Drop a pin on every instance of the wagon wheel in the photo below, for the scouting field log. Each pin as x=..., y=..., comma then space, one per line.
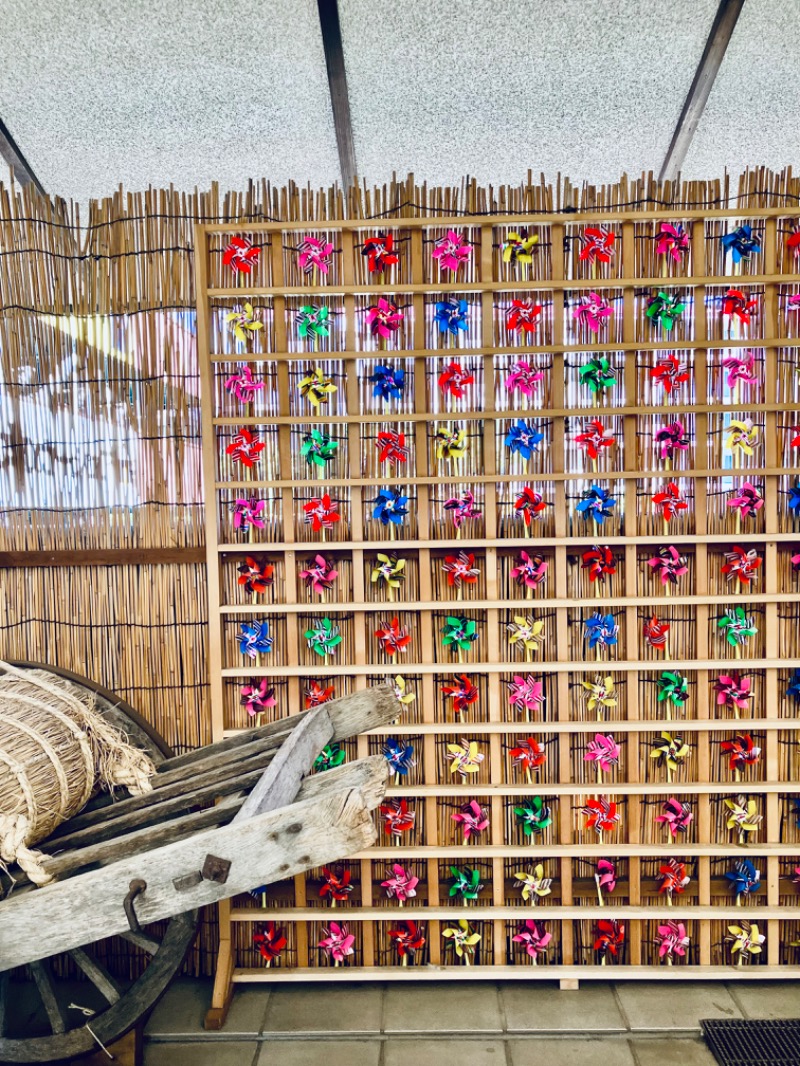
x=45, y=1020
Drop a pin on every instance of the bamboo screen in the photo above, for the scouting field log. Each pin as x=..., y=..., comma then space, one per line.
x=540, y=470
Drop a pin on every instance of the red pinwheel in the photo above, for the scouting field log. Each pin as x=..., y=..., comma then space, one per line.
x=531, y=504
x=599, y=562
x=737, y=305
x=270, y=941
x=408, y=939
x=529, y=755
x=460, y=569
x=601, y=814
x=380, y=252
x=594, y=437
x=393, y=637
x=673, y=877
x=655, y=633
x=254, y=575
x=742, y=564
x=609, y=937
x=522, y=315
x=336, y=885
x=245, y=448
x=241, y=255
x=669, y=501
x=315, y=694
x=793, y=241
x=454, y=379
x=321, y=512
x=670, y=372
x=733, y=689
x=743, y=751
x=597, y=243
x=391, y=447
x=397, y=817
x=461, y=691
x=676, y=816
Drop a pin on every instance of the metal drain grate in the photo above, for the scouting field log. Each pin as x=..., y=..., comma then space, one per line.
x=759, y=1043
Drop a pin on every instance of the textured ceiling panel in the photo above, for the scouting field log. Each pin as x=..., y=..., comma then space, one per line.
x=751, y=115
x=145, y=92
x=492, y=87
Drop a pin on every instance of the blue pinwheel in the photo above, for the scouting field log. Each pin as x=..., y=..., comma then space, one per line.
x=596, y=504
x=451, y=316
x=254, y=638
x=523, y=439
x=793, y=689
x=600, y=630
x=794, y=499
x=745, y=879
x=390, y=506
x=796, y=812
x=399, y=756
x=388, y=382
x=741, y=243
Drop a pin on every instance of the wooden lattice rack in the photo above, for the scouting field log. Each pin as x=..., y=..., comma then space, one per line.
x=632, y=472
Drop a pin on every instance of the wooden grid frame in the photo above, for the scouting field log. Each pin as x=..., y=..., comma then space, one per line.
x=567, y=853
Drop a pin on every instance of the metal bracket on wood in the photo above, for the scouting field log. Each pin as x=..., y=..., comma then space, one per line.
x=136, y=887
x=215, y=869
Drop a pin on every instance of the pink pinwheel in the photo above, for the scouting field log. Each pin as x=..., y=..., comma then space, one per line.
x=606, y=875
x=318, y=575
x=461, y=508
x=401, y=884
x=676, y=816
x=669, y=501
x=384, y=318
x=521, y=316
x=525, y=378
x=742, y=564
x=740, y=370
x=592, y=311
x=671, y=438
x=604, y=751
x=452, y=250
x=733, y=689
x=793, y=303
x=243, y=385
x=248, y=512
x=525, y=692
x=472, y=818
x=670, y=372
x=529, y=570
x=337, y=942
x=672, y=940
x=594, y=437
x=672, y=241
x=669, y=564
x=597, y=243
x=747, y=499
x=535, y=938
x=314, y=254
x=256, y=698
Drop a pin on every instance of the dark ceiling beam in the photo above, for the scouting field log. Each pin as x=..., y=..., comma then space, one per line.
x=718, y=39
x=337, y=83
x=10, y=151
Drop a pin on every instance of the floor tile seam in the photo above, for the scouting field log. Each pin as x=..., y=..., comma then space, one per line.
x=622, y=1012
x=732, y=992
x=593, y=1036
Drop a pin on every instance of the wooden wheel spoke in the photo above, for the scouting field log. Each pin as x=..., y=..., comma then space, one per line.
x=47, y=993
x=4, y=982
x=143, y=940
x=98, y=975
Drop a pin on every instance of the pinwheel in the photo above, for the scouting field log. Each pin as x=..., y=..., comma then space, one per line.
x=600, y=630
x=597, y=243
x=529, y=570
x=673, y=688
x=793, y=689
x=745, y=940
x=526, y=692
x=523, y=440
x=526, y=632
x=399, y=756
x=528, y=755
x=742, y=564
x=323, y=637
x=254, y=639
x=245, y=448
x=391, y=447
x=670, y=438
x=794, y=499
x=670, y=500
x=609, y=936
x=464, y=757
x=451, y=316
x=519, y=247
x=466, y=882
x=668, y=565
x=463, y=938
x=317, y=387
x=461, y=691
x=331, y=756
x=269, y=942
x=793, y=302
x=459, y=632
x=241, y=255
x=388, y=382
x=743, y=816
x=734, y=690
x=315, y=695
x=384, y=318
x=793, y=241
x=741, y=243
x=451, y=250
x=739, y=370
x=664, y=309
x=745, y=879
x=243, y=385
x=461, y=508
x=670, y=372
x=524, y=378
x=655, y=633
x=670, y=751
x=248, y=512
x=605, y=878
x=599, y=561
x=742, y=435
x=674, y=879
x=461, y=569
x=736, y=305
x=522, y=315
x=408, y=939
x=671, y=939
x=676, y=816
x=314, y=254
x=747, y=499
x=473, y=819
x=402, y=693
x=336, y=884
x=257, y=697
x=599, y=694
x=534, y=816
x=400, y=884
x=598, y=374
x=451, y=443
x=604, y=752
x=672, y=240
x=337, y=942
x=533, y=883
x=398, y=818
x=390, y=506
x=454, y=380
x=796, y=878
x=596, y=504
x=321, y=512
x=592, y=311
x=388, y=569
x=256, y=575
x=313, y=321
x=380, y=252
x=737, y=626
x=594, y=437
x=535, y=938
x=531, y=504
x=392, y=637
x=318, y=448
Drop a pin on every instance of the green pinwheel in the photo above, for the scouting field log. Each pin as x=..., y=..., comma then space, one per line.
x=598, y=374
x=534, y=816
x=466, y=882
x=673, y=688
x=330, y=756
x=313, y=321
x=737, y=626
x=324, y=637
x=665, y=309
x=318, y=448
x=459, y=632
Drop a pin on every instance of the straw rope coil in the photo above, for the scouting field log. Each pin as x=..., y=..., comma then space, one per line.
x=55, y=750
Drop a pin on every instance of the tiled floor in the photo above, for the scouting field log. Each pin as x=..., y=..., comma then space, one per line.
x=486, y=1024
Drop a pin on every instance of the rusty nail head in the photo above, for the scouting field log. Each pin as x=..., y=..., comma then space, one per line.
x=216, y=869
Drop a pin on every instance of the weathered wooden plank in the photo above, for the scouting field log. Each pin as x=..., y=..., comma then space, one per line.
x=47, y=994
x=97, y=974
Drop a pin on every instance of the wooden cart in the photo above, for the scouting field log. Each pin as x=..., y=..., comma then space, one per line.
x=220, y=821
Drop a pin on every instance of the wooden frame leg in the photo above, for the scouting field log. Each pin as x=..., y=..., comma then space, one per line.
x=223, y=979
x=569, y=984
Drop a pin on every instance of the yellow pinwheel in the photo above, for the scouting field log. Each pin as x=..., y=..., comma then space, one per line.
x=671, y=751
x=743, y=815
x=742, y=436
x=244, y=322
x=745, y=940
x=534, y=883
x=464, y=758
x=317, y=387
x=526, y=631
x=599, y=693
x=519, y=247
x=451, y=443
x=463, y=938
x=389, y=569
x=401, y=691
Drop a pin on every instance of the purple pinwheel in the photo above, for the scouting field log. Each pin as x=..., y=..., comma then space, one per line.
x=671, y=438
x=473, y=819
x=593, y=311
x=248, y=512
